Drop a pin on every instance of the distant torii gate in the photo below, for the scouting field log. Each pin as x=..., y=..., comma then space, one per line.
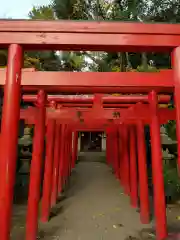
x=138, y=113
x=92, y=36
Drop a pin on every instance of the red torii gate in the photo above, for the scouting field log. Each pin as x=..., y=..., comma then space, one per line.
x=76, y=99
x=95, y=82
x=79, y=114
x=139, y=112
x=109, y=101
x=62, y=115
x=99, y=36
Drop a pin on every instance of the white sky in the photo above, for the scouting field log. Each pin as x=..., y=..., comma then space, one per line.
x=19, y=8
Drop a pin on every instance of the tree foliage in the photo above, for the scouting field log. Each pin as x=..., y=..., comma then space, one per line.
x=167, y=11
x=124, y=10
x=42, y=12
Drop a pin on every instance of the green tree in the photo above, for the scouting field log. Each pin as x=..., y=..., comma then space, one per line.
x=44, y=60
x=42, y=12
x=52, y=60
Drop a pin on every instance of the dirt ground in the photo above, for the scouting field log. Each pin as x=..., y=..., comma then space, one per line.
x=95, y=208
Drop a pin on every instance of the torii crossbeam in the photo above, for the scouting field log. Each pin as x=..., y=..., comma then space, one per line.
x=96, y=36
x=90, y=82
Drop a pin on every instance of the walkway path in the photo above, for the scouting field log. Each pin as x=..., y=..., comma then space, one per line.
x=95, y=208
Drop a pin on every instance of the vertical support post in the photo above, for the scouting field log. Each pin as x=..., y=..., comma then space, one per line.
x=61, y=164
x=9, y=134
x=74, y=148
x=111, y=147
x=133, y=168
x=176, y=67
x=121, y=155
x=117, y=155
x=115, y=152
x=143, y=179
x=56, y=164
x=46, y=197
x=70, y=152
x=36, y=167
x=157, y=170
x=76, y=145
x=125, y=159
x=66, y=154
x=107, y=148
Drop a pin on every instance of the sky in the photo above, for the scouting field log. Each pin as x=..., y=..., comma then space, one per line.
x=18, y=9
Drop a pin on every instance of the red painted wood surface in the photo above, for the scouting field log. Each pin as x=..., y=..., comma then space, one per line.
x=157, y=171
x=98, y=36
x=105, y=36
x=92, y=82
x=9, y=134
x=138, y=111
x=76, y=99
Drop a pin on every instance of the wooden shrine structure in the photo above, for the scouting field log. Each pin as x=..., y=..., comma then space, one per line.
x=59, y=118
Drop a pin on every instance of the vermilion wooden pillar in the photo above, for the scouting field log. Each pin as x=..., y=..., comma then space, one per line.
x=76, y=146
x=61, y=163
x=66, y=160
x=175, y=56
x=69, y=152
x=109, y=151
x=56, y=164
x=133, y=168
x=119, y=153
x=125, y=160
x=9, y=134
x=74, y=150
x=116, y=153
x=47, y=185
x=65, y=167
x=65, y=155
x=107, y=148
x=121, y=157
x=113, y=148
x=36, y=169
x=142, y=170
x=157, y=170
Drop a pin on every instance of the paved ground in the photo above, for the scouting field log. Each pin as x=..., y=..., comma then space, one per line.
x=95, y=208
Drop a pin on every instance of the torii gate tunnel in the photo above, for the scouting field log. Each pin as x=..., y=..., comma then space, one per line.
x=122, y=118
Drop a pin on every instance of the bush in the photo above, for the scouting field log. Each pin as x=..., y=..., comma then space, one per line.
x=171, y=184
